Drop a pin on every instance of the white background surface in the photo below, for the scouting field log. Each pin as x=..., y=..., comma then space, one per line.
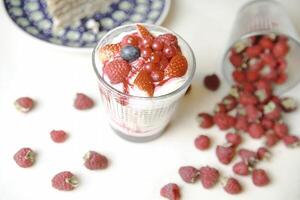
x=52, y=76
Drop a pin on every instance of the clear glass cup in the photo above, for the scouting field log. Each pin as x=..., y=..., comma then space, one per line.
x=140, y=119
x=265, y=17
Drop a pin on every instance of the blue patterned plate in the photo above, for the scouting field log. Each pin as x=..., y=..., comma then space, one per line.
x=32, y=17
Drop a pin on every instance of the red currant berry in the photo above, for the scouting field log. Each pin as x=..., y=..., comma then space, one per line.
x=155, y=57
x=157, y=45
x=150, y=66
x=157, y=75
x=170, y=51
x=146, y=52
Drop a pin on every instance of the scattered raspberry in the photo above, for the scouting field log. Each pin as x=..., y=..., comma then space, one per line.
x=256, y=130
x=253, y=113
x=267, y=123
x=177, y=67
x=281, y=130
x=225, y=154
x=170, y=191
x=25, y=157
x=209, y=176
x=202, y=142
x=263, y=153
x=260, y=177
x=58, y=136
x=94, y=161
x=188, y=174
x=230, y=102
x=83, y=102
x=220, y=108
x=291, y=141
x=241, y=168
x=236, y=59
x=224, y=121
x=117, y=70
x=280, y=49
x=272, y=111
x=242, y=123
x=205, y=120
x=239, y=76
x=144, y=82
x=249, y=157
x=248, y=99
x=266, y=43
x=108, y=51
x=232, y=186
x=254, y=51
x=24, y=104
x=64, y=181
x=271, y=139
x=234, y=139
x=212, y=82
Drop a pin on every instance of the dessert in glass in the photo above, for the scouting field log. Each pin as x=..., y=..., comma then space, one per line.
x=143, y=71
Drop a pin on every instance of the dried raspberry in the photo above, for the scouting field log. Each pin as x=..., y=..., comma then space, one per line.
x=241, y=168
x=94, y=161
x=266, y=43
x=281, y=130
x=170, y=191
x=188, y=174
x=220, y=108
x=65, y=181
x=249, y=157
x=212, y=82
x=241, y=123
x=253, y=113
x=271, y=139
x=234, y=139
x=267, y=124
x=83, y=102
x=225, y=154
x=209, y=176
x=232, y=186
x=239, y=76
x=269, y=60
x=291, y=141
x=280, y=49
x=24, y=104
x=288, y=104
x=247, y=98
x=281, y=78
x=58, y=136
x=263, y=153
x=205, y=120
x=256, y=130
x=224, y=121
x=253, y=51
x=230, y=102
x=260, y=177
x=252, y=75
x=202, y=142
x=264, y=84
x=236, y=59
x=25, y=157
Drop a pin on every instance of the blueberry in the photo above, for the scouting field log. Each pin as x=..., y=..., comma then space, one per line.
x=130, y=53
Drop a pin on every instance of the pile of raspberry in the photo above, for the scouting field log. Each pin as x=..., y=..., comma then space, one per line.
x=143, y=60
x=252, y=108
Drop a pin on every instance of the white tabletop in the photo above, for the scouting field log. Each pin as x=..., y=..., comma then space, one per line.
x=52, y=76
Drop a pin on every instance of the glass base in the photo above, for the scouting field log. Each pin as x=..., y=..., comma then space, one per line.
x=138, y=139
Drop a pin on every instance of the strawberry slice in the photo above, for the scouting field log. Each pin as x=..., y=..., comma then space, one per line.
x=177, y=66
x=143, y=32
x=109, y=51
x=144, y=82
x=117, y=70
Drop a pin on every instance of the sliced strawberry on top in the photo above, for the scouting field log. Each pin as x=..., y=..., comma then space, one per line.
x=109, y=51
x=143, y=32
x=117, y=70
x=144, y=82
x=177, y=66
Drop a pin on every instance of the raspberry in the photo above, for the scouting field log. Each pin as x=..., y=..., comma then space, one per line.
x=252, y=75
x=58, y=136
x=263, y=153
x=239, y=76
x=202, y=142
x=291, y=141
x=94, y=161
x=232, y=186
x=253, y=51
x=280, y=49
x=288, y=104
x=25, y=157
x=266, y=43
x=255, y=64
x=236, y=59
x=24, y=104
x=260, y=177
x=170, y=191
x=241, y=123
x=267, y=124
x=268, y=59
x=188, y=174
x=209, y=176
x=225, y=154
x=281, y=130
x=271, y=139
x=249, y=157
x=256, y=130
x=272, y=111
x=234, y=139
x=205, y=120
x=224, y=121
x=65, y=181
x=247, y=98
x=212, y=82
x=248, y=87
x=263, y=95
x=241, y=168
x=230, y=102
x=83, y=102
x=253, y=113
x=220, y=108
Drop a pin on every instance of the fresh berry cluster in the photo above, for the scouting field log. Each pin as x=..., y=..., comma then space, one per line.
x=252, y=108
x=143, y=60
x=66, y=180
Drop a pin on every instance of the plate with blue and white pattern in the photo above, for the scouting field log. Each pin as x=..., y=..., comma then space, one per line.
x=33, y=18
